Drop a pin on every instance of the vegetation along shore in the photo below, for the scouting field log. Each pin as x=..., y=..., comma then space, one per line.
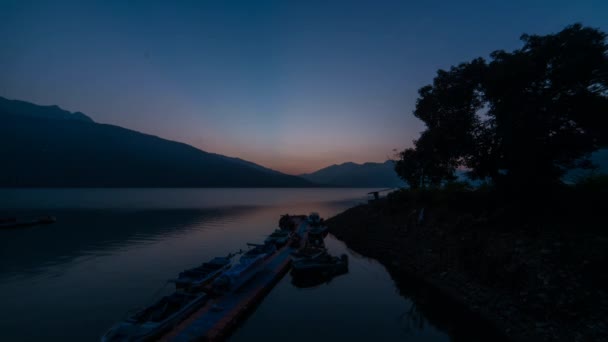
x=534, y=276
x=524, y=248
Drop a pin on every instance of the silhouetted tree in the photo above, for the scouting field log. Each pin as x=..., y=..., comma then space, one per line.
x=549, y=103
x=408, y=167
x=523, y=119
x=448, y=108
x=423, y=166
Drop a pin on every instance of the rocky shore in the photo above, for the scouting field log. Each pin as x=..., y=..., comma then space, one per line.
x=527, y=282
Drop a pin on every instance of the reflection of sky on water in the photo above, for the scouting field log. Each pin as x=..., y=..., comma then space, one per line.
x=72, y=279
x=175, y=198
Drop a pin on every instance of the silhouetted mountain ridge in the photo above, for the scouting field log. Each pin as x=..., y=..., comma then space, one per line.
x=27, y=109
x=350, y=174
x=45, y=146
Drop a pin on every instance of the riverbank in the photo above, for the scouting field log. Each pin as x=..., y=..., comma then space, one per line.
x=528, y=282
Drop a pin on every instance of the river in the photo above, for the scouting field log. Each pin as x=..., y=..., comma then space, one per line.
x=112, y=250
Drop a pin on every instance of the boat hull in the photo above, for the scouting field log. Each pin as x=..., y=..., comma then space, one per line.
x=203, y=275
x=132, y=330
x=323, y=266
x=240, y=274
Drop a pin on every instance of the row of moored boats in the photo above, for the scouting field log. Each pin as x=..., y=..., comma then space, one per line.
x=196, y=286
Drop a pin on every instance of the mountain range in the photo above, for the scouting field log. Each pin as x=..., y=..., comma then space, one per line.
x=368, y=175
x=46, y=146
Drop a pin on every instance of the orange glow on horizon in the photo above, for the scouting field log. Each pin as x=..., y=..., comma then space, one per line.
x=300, y=162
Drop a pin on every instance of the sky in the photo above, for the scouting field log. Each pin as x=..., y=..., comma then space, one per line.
x=291, y=85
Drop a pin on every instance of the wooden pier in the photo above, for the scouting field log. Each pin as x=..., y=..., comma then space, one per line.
x=220, y=316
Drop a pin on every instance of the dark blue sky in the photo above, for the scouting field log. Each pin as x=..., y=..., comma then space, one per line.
x=292, y=85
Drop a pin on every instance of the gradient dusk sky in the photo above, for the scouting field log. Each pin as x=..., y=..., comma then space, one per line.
x=291, y=85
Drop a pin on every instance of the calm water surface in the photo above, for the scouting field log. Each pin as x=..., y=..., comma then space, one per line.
x=112, y=250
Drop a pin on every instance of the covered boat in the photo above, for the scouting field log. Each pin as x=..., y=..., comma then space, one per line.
x=203, y=274
x=316, y=236
x=286, y=222
x=314, y=219
x=318, y=230
x=248, y=266
x=324, y=264
x=266, y=249
x=152, y=321
x=308, y=253
x=279, y=237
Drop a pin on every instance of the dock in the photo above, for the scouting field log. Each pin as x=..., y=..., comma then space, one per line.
x=220, y=316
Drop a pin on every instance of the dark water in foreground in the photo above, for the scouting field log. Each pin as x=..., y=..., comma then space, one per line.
x=112, y=251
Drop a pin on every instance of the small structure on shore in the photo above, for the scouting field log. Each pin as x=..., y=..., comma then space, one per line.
x=375, y=195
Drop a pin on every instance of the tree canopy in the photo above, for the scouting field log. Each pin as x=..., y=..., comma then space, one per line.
x=522, y=118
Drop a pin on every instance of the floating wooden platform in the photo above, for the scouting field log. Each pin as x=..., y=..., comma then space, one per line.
x=218, y=318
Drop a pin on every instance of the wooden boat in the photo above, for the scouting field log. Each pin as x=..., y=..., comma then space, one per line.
x=279, y=237
x=318, y=230
x=266, y=249
x=248, y=266
x=152, y=321
x=202, y=275
x=314, y=220
x=286, y=222
x=308, y=253
x=13, y=222
x=325, y=264
x=316, y=236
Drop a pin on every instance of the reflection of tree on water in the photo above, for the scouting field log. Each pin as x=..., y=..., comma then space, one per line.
x=307, y=281
x=431, y=307
x=412, y=319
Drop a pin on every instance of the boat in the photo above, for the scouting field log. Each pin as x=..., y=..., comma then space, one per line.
x=308, y=253
x=316, y=236
x=286, y=222
x=266, y=249
x=324, y=264
x=248, y=266
x=12, y=222
x=202, y=275
x=314, y=220
x=318, y=230
x=152, y=321
x=279, y=237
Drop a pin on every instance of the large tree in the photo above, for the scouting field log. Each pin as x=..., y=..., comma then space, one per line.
x=549, y=103
x=448, y=107
x=522, y=119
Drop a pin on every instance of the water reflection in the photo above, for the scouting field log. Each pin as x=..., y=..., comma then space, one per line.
x=71, y=280
x=427, y=305
x=171, y=198
x=82, y=233
x=311, y=280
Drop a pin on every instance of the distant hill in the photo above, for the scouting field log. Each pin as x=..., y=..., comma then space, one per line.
x=357, y=175
x=46, y=146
